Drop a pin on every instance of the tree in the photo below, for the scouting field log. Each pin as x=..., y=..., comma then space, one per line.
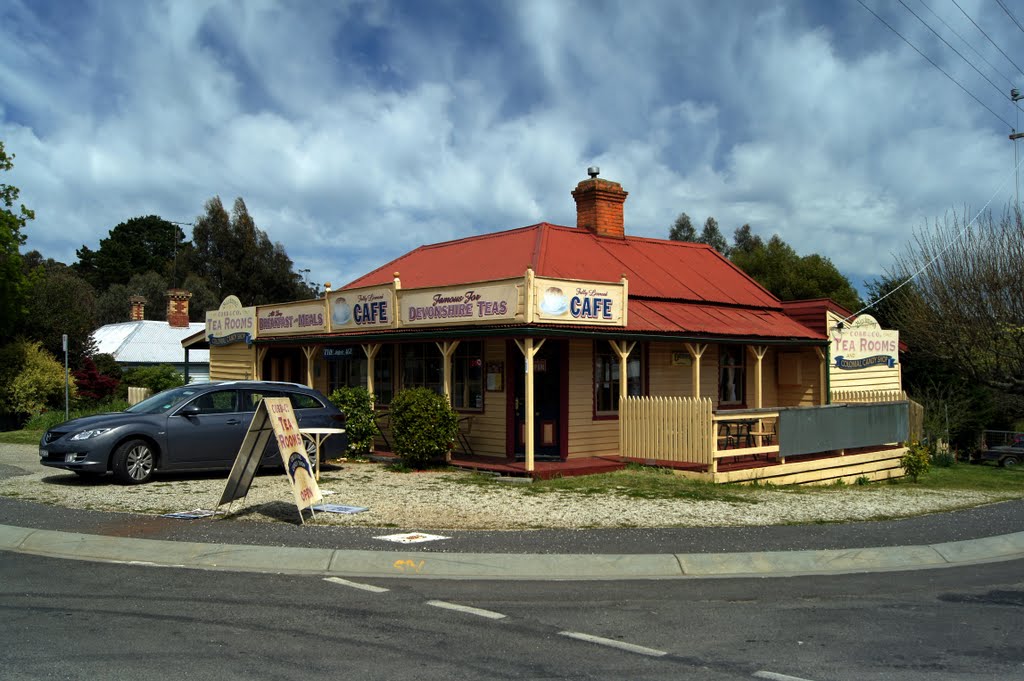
x=745, y=241
x=60, y=302
x=13, y=281
x=682, y=229
x=136, y=246
x=712, y=236
x=776, y=266
x=968, y=306
x=237, y=258
x=31, y=379
x=94, y=385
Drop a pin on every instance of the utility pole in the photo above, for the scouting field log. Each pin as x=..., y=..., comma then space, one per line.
x=1016, y=96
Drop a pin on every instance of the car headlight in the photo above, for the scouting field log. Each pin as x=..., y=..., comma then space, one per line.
x=87, y=434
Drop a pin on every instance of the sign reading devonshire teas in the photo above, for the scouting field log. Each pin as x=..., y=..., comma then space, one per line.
x=366, y=308
x=231, y=323
x=579, y=302
x=864, y=344
x=472, y=303
x=290, y=318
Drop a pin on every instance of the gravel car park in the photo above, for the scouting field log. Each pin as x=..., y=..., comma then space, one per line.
x=197, y=427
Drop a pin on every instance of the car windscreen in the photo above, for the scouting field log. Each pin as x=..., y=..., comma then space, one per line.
x=161, y=402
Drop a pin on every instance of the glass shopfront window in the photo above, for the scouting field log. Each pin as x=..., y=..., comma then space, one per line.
x=423, y=367
x=606, y=378
x=348, y=367
x=731, y=375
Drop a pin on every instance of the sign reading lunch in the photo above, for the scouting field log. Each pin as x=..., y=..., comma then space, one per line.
x=483, y=303
x=231, y=323
x=291, y=318
x=362, y=309
x=579, y=302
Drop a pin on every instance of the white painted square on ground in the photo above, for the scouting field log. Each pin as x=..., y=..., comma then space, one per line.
x=411, y=537
x=339, y=508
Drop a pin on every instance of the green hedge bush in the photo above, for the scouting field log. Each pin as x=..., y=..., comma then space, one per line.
x=31, y=379
x=360, y=422
x=424, y=426
x=156, y=378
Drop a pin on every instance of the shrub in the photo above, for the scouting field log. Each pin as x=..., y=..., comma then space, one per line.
x=360, y=421
x=49, y=419
x=916, y=461
x=92, y=384
x=156, y=378
x=424, y=426
x=31, y=379
x=107, y=365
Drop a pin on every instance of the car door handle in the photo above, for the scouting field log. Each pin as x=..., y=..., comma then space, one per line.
x=233, y=422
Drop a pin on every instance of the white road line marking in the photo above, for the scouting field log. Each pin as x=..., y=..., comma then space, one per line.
x=621, y=645
x=772, y=676
x=489, y=614
x=356, y=585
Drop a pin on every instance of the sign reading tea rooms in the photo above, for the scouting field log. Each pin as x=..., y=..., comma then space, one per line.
x=231, y=323
x=864, y=344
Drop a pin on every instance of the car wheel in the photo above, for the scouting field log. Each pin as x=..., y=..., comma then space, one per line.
x=1009, y=461
x=134, y=462
x=311, y=453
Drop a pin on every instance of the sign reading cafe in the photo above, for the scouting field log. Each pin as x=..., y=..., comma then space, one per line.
x=362, y=308
x=579, y=302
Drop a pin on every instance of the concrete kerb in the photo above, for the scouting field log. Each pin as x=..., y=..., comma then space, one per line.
x=501, y=566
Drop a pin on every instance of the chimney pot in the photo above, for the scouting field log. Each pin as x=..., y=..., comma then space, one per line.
x=138, y=308
x=599, y=206
x=177, y=307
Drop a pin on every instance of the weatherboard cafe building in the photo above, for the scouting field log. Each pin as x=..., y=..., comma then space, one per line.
x=534, y=334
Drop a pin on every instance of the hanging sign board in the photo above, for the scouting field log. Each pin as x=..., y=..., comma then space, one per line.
x=864, y=344
x=231, y=323
x=473, y=303
x=290, y=318
x=368, y=308
x=579, y=302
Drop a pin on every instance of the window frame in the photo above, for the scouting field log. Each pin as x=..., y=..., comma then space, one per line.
x=739, y=378
x=602, y=349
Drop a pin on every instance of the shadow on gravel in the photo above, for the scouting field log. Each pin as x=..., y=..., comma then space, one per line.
x=278, y=510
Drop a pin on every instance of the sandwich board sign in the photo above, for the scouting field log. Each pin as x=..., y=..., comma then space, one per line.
x=275, y=419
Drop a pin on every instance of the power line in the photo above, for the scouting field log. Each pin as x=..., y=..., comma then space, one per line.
x=1012, y=18
x=1002, y=92
x=967, y=43
x=986, y=35
x=941, y=252
x=941, y=70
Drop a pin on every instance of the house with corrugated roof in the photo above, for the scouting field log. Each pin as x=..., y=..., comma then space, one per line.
x=538, y=335
x=141, y=342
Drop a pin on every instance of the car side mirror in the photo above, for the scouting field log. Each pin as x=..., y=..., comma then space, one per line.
x=190, y=410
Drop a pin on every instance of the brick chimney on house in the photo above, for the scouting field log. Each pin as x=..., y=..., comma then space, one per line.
x=599, y=206
x=138, y=309
x=177, y=307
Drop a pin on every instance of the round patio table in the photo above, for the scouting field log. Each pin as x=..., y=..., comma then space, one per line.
x=317, y=437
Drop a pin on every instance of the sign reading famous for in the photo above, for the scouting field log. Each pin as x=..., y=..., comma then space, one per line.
x=293, y=452
x=472, y=303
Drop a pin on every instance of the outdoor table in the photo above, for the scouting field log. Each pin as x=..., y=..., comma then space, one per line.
x=317, y=437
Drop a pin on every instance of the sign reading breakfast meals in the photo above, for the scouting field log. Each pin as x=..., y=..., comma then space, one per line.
x=290, y=318
x=579, y=302
x=368, y=308
x=231, y=323
x=864, y=344
x=472, y=303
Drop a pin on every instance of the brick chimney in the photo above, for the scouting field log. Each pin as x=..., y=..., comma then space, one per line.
x=177, y=307
x=138, y=309
x=599, y=206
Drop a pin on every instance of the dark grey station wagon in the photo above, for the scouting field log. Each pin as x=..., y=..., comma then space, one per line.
x=196, y=427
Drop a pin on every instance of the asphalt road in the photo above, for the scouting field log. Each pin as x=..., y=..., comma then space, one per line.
x=83, y=620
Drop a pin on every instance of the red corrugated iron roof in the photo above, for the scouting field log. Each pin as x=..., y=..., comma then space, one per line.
x=674, y=286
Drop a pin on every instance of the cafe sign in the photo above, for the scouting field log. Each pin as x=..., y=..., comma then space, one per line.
x=864, y=344
x=369, y=308
x=291, y=318
x=579, y=302
x=231, y=323
x=472, y=303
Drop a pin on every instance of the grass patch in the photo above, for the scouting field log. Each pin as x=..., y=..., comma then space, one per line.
x=21, y=437
x=971, y=477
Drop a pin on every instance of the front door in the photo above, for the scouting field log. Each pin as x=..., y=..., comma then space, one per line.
x=547, y=403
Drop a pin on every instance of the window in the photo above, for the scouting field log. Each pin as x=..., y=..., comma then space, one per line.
x=606, y=377
x=731, y=375
x=468, y=376
x=422, y=367
x=216, y=402
x=348, y=367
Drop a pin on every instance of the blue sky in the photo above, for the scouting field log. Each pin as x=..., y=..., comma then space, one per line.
x=356, y=131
